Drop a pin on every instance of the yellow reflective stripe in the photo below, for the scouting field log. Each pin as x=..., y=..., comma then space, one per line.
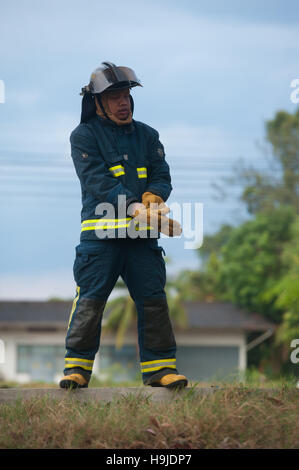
x=157, y=361
x=103, y=227
x=151, y=366
x=142, y=172
x=158, y=368
x=96, y=224
x=68, y=366
x=74, y=305
x=114, y=226
x=91, y=221
x=115, y=167
x=79, y=359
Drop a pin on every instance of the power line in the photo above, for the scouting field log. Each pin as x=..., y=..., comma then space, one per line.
x=186, y=167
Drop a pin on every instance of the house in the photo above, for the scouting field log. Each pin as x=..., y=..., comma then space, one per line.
x=213, y=347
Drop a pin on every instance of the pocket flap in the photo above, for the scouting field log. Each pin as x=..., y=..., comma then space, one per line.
x=112, y=157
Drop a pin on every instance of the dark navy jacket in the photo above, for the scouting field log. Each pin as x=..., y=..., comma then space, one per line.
x=112, y=161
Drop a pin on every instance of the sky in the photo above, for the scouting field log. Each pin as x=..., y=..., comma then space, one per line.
x=213, y=72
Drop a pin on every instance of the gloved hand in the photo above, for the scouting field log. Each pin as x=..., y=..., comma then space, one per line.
x=155, y=218
x=154, y=202
x=148, y=198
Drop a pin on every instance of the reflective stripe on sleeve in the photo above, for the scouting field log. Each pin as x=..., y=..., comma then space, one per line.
x=117, y=170
x=142, y=172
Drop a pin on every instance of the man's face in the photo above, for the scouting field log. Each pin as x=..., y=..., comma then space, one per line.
x=119, y=103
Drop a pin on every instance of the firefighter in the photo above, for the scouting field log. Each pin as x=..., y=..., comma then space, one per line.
x=125, y=182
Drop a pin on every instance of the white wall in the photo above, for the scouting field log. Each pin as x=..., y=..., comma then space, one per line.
x=8, y=370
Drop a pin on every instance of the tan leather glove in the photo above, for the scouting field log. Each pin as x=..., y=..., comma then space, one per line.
x=154, y=202
x=157, y=219
x=148, y=198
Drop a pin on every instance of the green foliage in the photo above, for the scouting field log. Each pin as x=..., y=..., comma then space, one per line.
x=252, y=261
x=286, y=290
x=213, y=243
x=256, y=265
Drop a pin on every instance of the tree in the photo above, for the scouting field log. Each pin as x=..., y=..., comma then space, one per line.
x=285, y=291
x=252, y=261
x=204, y=285
x=213, y=243
x=279, y=184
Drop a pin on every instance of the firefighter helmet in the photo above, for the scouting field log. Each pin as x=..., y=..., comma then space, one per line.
x=110, y=77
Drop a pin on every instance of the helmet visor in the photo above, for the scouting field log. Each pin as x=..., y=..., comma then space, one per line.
x=101, y=79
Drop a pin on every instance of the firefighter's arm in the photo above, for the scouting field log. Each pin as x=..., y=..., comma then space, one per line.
x=159, y=180
x=93, y=172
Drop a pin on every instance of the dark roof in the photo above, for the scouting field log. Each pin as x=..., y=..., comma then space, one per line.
x=224, y=315
x=200, y=315
x=37, y=312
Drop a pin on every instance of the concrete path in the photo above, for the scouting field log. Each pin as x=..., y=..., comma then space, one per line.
x=157, y=394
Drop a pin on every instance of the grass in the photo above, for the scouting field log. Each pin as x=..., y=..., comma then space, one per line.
x=236, y=416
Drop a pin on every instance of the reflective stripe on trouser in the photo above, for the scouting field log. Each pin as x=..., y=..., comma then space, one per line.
x=97, y=266
x=151, y=366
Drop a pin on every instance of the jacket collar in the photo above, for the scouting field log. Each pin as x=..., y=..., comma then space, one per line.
x=127, y=128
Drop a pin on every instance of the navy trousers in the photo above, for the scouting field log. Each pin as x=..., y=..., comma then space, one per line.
x=97, y=266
